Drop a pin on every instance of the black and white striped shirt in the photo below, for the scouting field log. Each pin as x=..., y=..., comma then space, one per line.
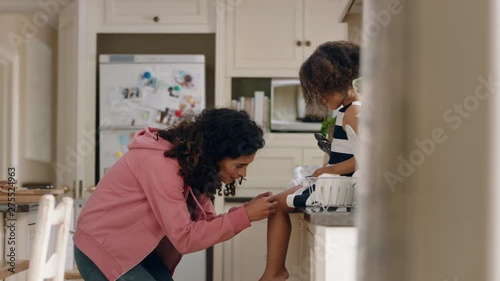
x=341, y=148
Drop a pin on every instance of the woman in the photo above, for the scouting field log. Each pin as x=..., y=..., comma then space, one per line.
x=154, y=204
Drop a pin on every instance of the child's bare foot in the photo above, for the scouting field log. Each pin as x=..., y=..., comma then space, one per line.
x=280, y=276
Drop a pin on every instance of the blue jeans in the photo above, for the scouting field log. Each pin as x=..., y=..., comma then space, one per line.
x=150, y=269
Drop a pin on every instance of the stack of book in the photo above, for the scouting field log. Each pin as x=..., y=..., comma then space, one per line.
x=257, y=107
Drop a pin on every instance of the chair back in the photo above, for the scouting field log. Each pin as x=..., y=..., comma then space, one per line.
x=48, y=216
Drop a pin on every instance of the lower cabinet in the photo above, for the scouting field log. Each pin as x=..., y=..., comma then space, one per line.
x=272, y=169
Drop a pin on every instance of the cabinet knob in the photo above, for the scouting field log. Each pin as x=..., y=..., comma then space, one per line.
x=308, y=43
x=299, y=43
x=90, y=189
x=156, y=19
x=67, y=189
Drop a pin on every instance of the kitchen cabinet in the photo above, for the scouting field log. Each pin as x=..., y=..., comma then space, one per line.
x=332, y=253
x=272, y=169
x=312, y=156
x=244, y=256
x=153, y=16
x=273, y=37
x=316, y=252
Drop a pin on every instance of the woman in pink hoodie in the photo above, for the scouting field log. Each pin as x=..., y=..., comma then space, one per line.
x=155, y=203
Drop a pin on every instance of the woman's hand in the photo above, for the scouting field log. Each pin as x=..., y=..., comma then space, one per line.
x=261, y=206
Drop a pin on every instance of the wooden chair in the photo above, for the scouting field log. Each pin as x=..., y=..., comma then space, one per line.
x=49, y=215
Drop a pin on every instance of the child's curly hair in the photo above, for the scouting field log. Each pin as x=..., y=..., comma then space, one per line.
x=199, y=144
x=331, y=68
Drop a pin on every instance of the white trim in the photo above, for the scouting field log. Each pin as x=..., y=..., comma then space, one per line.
x=494, y=212
x=15, y=112
x=5, y=117
x=221, y=96
x=220, y=99
x=92, y=27
x=10, y=119
x=81, y=13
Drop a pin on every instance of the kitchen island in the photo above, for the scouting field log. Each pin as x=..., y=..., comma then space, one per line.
x=328, y=244
x=322, y=246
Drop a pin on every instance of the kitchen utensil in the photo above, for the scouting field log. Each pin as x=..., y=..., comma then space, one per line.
x=323, y=143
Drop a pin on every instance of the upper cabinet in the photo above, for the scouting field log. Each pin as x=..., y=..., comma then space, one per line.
x=271, y=38
x=320, y=24
x=153, y=16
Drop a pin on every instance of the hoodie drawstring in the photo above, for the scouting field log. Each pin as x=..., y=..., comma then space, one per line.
x=197, y=203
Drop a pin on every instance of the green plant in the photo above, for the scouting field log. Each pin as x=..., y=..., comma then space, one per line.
x=326, y=123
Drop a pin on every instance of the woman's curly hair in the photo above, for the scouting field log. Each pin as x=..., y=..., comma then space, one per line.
x=331, y=68
x=200, y=143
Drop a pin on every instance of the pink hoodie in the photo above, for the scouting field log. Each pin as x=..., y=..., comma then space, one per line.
x=140, y=206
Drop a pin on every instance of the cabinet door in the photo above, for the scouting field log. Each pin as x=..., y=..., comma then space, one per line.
x=156, y=12
x=321, y=24
x=245, y=254
x=271, y=169
x=300, y=270
x=313, y=156
x=340, y=253
x=333, y=252
x=263, y=35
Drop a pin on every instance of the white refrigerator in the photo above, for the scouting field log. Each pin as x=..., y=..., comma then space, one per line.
x=136, y=91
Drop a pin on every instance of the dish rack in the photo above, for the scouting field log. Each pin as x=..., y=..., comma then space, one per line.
x=332, y=191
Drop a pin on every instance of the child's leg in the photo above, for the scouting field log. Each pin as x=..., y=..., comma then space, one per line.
x=278, y=234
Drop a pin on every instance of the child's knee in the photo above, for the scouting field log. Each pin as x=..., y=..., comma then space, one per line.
x=282, y=206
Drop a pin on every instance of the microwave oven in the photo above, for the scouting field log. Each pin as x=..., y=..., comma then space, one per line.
x=289, y=112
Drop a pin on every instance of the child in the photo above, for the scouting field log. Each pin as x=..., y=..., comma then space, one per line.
x=326, y=77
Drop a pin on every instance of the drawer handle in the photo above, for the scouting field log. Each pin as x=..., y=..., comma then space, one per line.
x=299, y=43
x=67, y=189
x=308, y=43
x=156, y=19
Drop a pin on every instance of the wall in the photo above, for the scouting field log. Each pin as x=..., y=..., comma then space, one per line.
x=12, y=27
x=426, y=143
x=247, y=86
